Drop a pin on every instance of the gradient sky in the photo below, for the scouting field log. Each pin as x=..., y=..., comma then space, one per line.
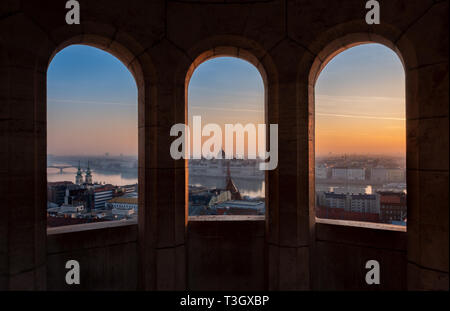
x=92, y=101
x=360, y=103
x=226, y=90
x=91, y=104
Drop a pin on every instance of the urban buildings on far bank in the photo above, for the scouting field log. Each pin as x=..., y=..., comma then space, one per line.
x=383, y=207
x=85, y=201
x=373, y=175
x=361, y=188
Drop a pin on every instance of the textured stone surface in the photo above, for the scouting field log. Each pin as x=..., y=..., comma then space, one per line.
x=226, y=255
x=162, y=42
x=342, y=252
x=114, y=244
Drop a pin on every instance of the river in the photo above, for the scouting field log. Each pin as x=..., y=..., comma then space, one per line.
x=247, y=187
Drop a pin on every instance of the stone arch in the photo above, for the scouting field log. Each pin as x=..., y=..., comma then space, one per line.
x=226, y=51
x=144, y=75
x=234, y=46
x=107, y=38
x=229, y=51
x=406, y=53
x=318, y=53
x=230, y=45
x=140, y=65
x=341, y=44
x=250, y=51
x=245, y=49
x=136, y=61
x=328, y=52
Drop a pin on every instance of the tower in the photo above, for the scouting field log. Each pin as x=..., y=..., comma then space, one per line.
x=79, y=177
x=230, y=186
x=88, y=175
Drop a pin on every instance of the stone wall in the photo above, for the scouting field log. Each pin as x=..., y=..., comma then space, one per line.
x=106, y=252
x=162, y=42
x=342, y=250
x=226, y=254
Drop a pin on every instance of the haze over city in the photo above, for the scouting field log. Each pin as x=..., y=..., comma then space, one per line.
x=359, y=133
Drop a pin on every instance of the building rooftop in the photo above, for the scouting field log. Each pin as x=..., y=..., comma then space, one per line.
x=124, y=200
x=241, y=204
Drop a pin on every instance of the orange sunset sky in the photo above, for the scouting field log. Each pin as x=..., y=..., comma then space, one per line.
x=360, y=101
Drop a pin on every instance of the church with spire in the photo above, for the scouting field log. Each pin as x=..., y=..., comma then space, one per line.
x=88, y=179
x=79, y=177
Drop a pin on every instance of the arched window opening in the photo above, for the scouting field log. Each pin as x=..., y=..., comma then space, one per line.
x=226, y=90
x=92, y=138
x=360, y=137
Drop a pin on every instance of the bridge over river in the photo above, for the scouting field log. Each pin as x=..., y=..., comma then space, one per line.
x=61, y=167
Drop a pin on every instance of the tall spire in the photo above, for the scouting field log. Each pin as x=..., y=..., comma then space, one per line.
x=79, y=169
x=230, y=186
x=88, y=175
x=79, y=177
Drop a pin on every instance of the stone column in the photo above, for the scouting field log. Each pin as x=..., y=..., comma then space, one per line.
x=162, y=188
x=288, y=235
x=427, y=151
x=22, y=157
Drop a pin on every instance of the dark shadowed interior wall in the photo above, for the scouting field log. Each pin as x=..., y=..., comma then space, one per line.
x=161, y=43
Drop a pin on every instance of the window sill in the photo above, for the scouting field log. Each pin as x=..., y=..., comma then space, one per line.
x=227, y=218
x=90, y=226
x=361, y=224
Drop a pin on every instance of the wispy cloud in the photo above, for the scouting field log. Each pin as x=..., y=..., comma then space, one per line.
x=88, y=102
x=225, y=109
x=361, y=107
x=358, y=116
x=211, y=91
x=340, y=98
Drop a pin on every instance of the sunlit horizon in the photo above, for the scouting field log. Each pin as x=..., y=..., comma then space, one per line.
x=360, y=103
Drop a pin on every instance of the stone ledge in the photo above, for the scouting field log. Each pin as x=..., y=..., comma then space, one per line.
x=227, y=218
x=90, y=226
x=361, y=234
x=89, y=236
x=361, y=224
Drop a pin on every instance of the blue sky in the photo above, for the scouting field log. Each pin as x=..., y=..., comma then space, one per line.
x=92, y=100
x=364, y=70
x=226, y=90
x=91, y=104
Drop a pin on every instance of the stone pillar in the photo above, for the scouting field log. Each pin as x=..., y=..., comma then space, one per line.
x=288, y=235
x=427, y=151
x=22, y=157
x=162, y=188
